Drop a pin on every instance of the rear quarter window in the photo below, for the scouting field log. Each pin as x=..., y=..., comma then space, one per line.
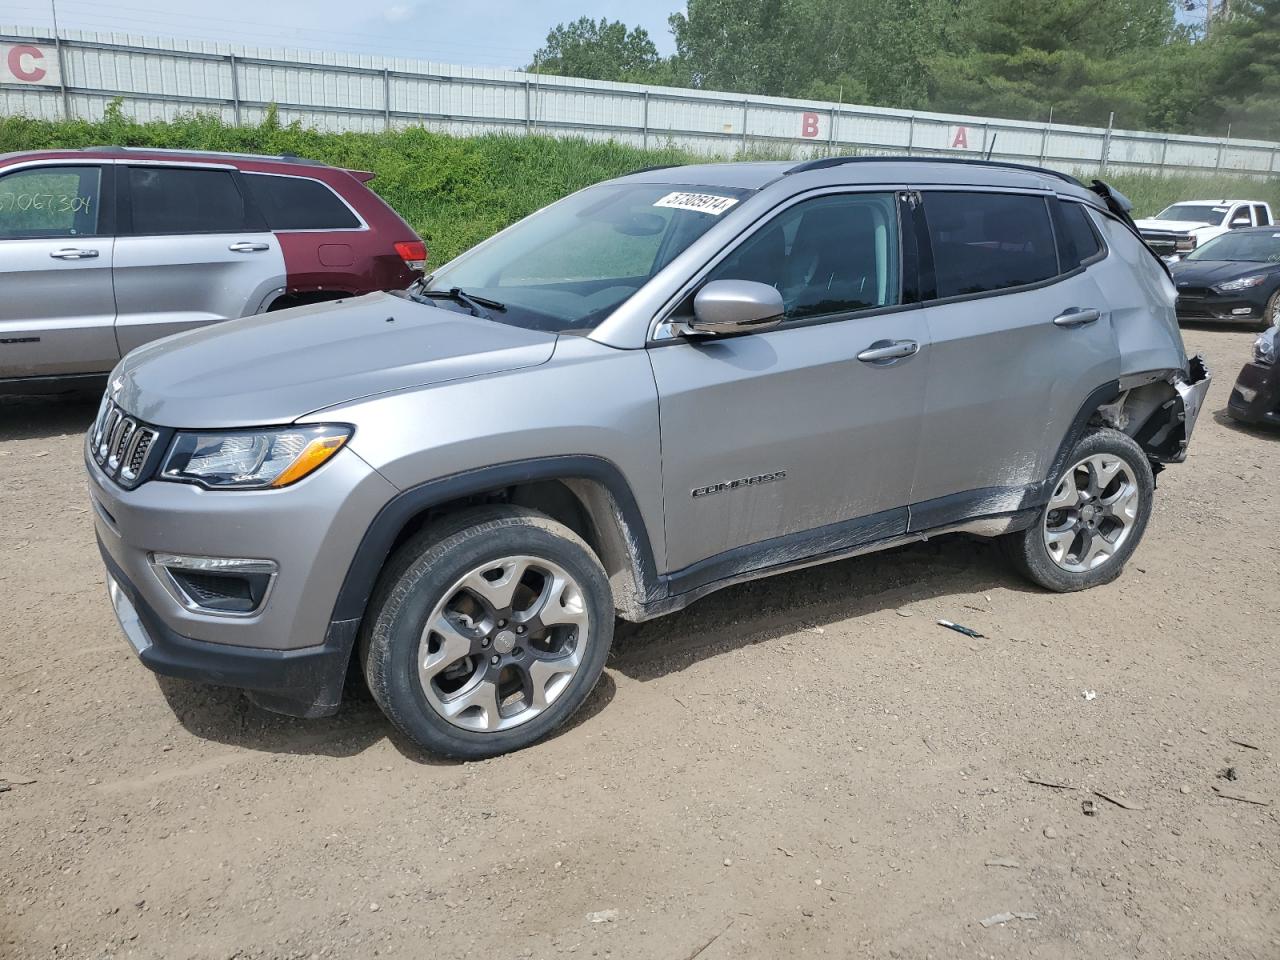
x=983, y=242
x=296, y=203
x=1078, y=241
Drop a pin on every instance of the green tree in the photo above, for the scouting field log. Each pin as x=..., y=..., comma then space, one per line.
x=1242, y=79
x=1082, y=58
x=599, y=50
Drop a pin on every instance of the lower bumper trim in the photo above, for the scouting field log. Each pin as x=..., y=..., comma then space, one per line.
x=302, y=683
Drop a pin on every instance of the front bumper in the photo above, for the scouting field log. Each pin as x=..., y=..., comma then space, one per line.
x=302, y=683
x=1230, y=309
x=288, y=653
x=1255, y=398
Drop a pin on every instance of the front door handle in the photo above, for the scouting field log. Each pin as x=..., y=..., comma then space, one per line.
x=1076, y=317
x=73, y=253
x=245, y=246
x=887, y=351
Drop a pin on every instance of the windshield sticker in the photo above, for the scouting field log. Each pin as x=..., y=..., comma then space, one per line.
x=1219, y=209
x=698, y=202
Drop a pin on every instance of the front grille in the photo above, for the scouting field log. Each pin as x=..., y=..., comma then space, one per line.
x=122, y=445
x=1162, y=243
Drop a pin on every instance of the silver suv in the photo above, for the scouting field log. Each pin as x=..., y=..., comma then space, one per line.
x=659, y=386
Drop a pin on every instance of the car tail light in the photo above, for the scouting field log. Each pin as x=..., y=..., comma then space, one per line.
x=413, y=253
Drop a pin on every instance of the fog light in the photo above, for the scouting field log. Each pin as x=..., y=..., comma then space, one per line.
x=217, y=585
x=1241, y=311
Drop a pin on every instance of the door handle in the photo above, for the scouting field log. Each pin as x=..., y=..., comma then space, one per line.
x=886, y=351
x=73, y=253
x=1076, y=317
x=246, y=246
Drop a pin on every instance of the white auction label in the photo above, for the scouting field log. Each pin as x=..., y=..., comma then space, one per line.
x=701, y=202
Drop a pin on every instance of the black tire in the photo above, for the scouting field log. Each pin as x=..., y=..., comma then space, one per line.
x=1270, y=313
x=1027, y=549
x=420, y=575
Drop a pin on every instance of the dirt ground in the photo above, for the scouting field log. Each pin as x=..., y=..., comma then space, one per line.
x=807, y=766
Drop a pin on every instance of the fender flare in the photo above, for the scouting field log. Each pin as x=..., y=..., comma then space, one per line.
x=1079, y=424
x=375, y=546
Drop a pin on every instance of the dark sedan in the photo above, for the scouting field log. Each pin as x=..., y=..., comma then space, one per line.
x=1235, y=276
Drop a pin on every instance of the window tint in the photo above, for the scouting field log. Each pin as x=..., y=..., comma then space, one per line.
x=989, y=241
x=1260, y=215
x=1077, y=241
x=295, y=203
x=50, y=202
x=827, y=255
x=176, y=200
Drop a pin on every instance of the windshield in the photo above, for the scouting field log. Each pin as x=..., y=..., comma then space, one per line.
x=1194, y=212
x=566, y=268
x=1262, y=247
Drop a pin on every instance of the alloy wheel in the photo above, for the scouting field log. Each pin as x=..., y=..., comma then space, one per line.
x=1092, y=513
x=503, y=644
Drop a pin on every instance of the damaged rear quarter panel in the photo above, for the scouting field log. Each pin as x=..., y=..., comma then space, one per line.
x=1141, y=299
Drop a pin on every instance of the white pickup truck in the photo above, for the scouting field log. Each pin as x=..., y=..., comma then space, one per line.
x=1180, y=228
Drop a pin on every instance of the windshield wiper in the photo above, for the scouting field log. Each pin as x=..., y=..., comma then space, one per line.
x=458, y=295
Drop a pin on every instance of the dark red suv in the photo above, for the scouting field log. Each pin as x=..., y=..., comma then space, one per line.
x=106, y=248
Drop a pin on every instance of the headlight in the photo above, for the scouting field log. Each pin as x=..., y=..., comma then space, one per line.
x=1184, y=244
x=252, y=459
x=1244, y=283
x=1264, y=348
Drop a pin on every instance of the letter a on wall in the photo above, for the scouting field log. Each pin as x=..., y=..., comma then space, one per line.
x=960, y=140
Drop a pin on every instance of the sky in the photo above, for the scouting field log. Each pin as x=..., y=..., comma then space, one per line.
x=498, y=33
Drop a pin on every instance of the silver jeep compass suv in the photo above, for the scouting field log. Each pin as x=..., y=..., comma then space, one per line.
x=654, y=388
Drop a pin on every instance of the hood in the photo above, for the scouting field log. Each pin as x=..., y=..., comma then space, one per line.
x=1173, y=226
x=277, y=367
x=1209, y=272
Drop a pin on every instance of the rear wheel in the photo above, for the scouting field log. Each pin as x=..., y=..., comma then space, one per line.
x=1094, y=519
x=490, y=630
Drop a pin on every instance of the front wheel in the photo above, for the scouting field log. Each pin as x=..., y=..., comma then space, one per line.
x=1094, y=519
x=1271, y=312
x=489, y=630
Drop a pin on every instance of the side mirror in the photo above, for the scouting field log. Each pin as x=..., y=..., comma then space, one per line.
x=725, y=307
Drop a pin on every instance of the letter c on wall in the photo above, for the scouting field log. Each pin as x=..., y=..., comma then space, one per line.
x=28, y=74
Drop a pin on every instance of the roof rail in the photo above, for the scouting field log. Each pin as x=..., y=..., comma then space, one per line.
x=825, y=162
x=274, y=158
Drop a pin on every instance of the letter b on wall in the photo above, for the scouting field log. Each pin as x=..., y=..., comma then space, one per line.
x=808, y=125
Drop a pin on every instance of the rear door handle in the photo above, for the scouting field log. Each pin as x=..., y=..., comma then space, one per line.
x=886, y=351
x=73, y=253
x=1076, y=317
x=245, y=246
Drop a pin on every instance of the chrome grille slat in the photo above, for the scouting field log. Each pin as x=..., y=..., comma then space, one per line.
x=121, y=445
x=128, y=425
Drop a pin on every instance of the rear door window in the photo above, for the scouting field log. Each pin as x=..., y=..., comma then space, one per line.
x=1260, y=215
x=1077, y=239
x=51, y=202
x=168, y=200
x=297, y=203
x=983, y=242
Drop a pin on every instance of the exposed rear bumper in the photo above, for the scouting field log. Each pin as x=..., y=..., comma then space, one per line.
x=305, y=682
x=1169, y=443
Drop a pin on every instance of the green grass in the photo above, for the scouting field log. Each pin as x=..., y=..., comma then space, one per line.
x=455, y=191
